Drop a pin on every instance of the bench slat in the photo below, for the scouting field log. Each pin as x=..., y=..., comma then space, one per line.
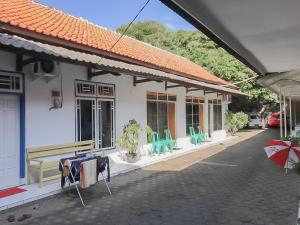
x=50, y=164
x=55, y=177
x=52, y=147
x=55, y=152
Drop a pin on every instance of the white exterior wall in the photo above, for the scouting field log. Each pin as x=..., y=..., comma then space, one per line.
x=44, y=127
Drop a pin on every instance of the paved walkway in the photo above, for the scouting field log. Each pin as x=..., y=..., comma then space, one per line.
x=239, y=185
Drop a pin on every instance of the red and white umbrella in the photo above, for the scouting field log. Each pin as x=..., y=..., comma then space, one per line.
x=284, y=153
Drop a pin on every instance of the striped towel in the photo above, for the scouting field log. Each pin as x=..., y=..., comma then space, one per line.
x=88, y=173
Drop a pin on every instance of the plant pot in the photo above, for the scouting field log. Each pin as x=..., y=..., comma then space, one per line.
x=132, y=157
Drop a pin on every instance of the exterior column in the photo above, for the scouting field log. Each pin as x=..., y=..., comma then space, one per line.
x=284, y=110
x=205, y=115
x=295, y=113
x=290, y=115
x=224, y=112
x=280, y=116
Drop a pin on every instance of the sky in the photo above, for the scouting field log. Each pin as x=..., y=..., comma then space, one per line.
x=114, y=13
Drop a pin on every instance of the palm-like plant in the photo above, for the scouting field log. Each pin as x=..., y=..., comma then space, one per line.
x=130, y=137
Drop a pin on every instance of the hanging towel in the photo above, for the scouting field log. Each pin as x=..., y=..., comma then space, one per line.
x=88, y=173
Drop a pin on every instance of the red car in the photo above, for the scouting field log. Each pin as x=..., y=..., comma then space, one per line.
x=274, y=120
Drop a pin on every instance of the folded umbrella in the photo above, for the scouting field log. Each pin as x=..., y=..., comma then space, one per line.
x=283, y=153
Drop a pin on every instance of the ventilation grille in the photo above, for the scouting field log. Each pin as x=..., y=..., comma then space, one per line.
x=93, y=89
x=10, y=83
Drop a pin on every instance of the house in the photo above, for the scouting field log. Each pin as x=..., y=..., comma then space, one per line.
x=62, y=81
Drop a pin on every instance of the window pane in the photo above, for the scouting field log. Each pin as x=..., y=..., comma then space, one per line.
x=162, y=96
x=196, y=116
x=172, y=98
x=106, y=124
x=219, y=117
x=152, y=115
x=188, y=98
x=215, y=117
x=195, y=100
x=162, y=117
x=86, y=120
x=152, y=95
x=189, y=116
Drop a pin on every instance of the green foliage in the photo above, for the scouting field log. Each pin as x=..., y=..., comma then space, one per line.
x=294, y=139
x=197, y=47
x=236, y=121
x=130, y=137
x=149, y=133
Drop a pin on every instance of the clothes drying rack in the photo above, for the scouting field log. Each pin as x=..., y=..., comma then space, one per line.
x=75, y=175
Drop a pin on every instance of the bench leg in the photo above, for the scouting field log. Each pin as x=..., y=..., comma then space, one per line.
x=28, y=173
x=41, y=175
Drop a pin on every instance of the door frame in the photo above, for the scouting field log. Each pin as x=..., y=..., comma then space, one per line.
x=96, y=121
x=21, y=95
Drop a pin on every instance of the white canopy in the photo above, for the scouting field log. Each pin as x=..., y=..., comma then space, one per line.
x=264, y=34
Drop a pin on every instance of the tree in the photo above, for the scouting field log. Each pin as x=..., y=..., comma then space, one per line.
x=197, y=47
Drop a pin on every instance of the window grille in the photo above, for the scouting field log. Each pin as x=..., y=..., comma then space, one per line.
x=105, y=90
x=11, y=83
x=85, y=89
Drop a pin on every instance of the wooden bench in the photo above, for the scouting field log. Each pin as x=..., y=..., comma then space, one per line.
x=39, y=154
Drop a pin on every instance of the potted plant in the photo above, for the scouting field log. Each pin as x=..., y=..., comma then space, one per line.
x=130, y=140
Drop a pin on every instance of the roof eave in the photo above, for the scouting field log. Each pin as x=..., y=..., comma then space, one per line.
x=7, y=28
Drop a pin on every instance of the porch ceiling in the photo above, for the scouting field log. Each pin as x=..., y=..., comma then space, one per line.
x=264, y=34
x=30, y=47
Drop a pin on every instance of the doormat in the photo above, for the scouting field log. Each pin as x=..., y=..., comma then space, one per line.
x=11, y=191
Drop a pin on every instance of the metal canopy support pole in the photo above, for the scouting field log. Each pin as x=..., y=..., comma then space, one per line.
x=295, y=114
x=280, y=106
x=290, y=115
x=284, y=110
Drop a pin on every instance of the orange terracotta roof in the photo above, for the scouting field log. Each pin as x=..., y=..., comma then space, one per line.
x=48, y=21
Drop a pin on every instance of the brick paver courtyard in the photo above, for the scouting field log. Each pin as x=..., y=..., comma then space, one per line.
x=239, y=185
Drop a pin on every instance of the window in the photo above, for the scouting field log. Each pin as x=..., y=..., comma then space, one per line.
x=95, y=113
x=161, y=112
x=217, y=114
x=194, y=113
x=10, y=82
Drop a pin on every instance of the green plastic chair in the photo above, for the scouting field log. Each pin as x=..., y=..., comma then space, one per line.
x=158, y=145
x=195, y=138
x=169, y=140
x=202, y=135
